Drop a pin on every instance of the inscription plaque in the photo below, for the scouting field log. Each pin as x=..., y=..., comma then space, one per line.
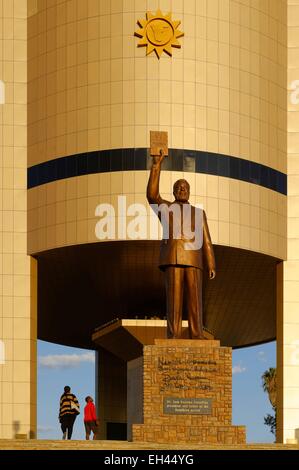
x=187, y=406
x=182, y=374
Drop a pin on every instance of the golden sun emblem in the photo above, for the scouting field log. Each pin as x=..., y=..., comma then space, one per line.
x=159, y=33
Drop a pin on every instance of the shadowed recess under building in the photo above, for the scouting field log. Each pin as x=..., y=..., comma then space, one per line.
x=83, y=287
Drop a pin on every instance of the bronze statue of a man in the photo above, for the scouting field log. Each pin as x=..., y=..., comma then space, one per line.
x=183, y=266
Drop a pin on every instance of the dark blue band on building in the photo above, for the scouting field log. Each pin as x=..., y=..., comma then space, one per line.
x=139, y=159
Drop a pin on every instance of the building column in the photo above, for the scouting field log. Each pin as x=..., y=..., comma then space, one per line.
x=288, y=322
x=111, y=392
x=18, y=271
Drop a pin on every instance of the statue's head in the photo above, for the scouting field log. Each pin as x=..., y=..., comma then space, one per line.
x=181, y=190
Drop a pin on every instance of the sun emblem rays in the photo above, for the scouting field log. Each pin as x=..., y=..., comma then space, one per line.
x=159, y=33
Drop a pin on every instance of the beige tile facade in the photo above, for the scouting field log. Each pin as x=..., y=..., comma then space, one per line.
x=17, y=269
x=288, y=320
x=240, y=214
x=91, y=88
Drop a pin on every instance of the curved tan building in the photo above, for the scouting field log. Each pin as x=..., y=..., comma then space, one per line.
x=93, y=95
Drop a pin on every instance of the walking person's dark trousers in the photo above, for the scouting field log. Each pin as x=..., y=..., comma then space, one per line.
x=184, y=281
x=67, y=424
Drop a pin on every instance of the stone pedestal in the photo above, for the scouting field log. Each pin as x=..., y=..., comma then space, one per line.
x=120, y=371
x=187, y=394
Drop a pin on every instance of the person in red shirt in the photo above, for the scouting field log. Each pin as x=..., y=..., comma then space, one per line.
x=90, y=418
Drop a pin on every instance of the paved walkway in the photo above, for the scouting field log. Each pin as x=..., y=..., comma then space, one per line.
x=7, y=444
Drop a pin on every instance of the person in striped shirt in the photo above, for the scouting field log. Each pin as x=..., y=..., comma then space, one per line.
x=68, y=411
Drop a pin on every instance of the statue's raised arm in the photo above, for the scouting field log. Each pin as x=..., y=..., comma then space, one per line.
x=153, y=193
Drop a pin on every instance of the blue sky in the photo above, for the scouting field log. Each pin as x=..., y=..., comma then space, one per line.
x=250, y=402
x=60, y=366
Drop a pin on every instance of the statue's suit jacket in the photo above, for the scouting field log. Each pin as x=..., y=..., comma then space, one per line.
x=173, y=252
